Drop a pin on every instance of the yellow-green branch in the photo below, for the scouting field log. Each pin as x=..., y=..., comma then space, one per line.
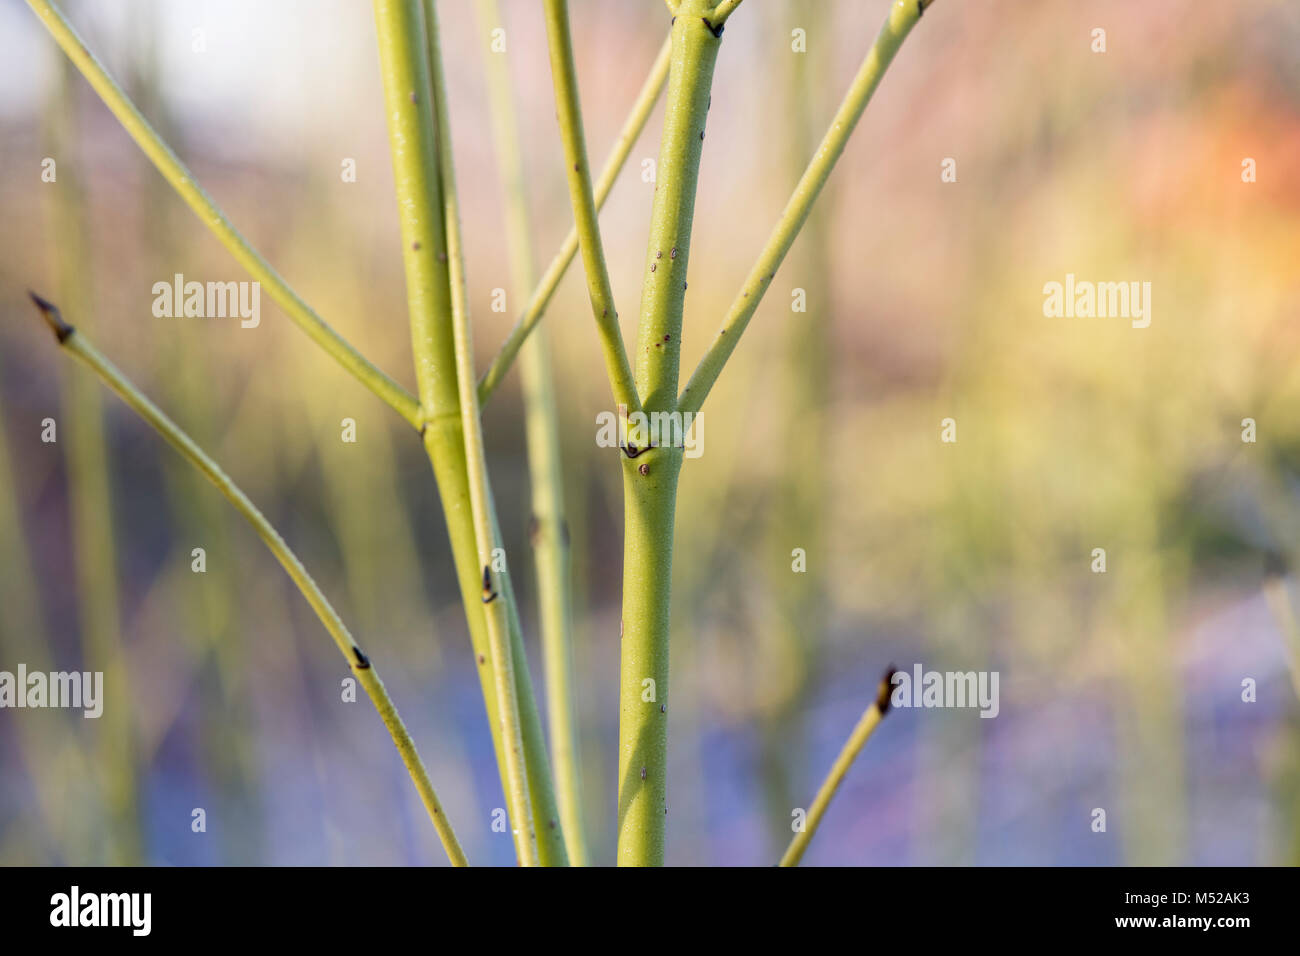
x=903, y=15
x=408, y=95
x=568, y=108
x=365, y=672
x=541, y=296
x=480, y=493
x=650, y=480
x=183, y=181
x=866, y=726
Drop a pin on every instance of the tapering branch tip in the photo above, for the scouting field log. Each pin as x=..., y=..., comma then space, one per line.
x=53, y=317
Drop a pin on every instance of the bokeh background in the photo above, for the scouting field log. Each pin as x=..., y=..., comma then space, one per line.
x=1121, y=691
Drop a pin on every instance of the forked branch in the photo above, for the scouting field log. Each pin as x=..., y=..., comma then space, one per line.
x=902, y=17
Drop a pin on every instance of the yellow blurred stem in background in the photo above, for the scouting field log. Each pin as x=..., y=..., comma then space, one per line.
x=549, y=527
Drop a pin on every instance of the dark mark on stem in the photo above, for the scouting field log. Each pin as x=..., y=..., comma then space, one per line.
x=489, y=592
x=363, y=662
x=884, y=691
x=53, y=317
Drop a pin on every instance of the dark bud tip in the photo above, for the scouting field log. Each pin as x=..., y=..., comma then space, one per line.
x=363, y=662
x=53, y=317
x=884, y=690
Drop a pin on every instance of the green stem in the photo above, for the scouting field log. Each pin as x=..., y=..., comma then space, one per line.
x=182, y=180
x=407, y=98
x=541, y=296
x=550, y=533
x=723, y=10
x=902, y=17
x=365, y=673
x=578, y=173
x=650, y=479
x=866, y=726
x=480, y=493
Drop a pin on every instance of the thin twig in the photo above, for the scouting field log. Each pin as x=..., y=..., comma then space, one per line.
x=183, y=181
x=366, y=675
x=723, y=10
x=541, y=297
x=496, y=611
x=578, y=172
x=902, y=17
x=867, y=724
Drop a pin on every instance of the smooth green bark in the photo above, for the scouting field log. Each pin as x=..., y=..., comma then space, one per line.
x=650, y=478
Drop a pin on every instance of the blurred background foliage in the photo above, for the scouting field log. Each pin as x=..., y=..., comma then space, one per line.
x=1120, y=690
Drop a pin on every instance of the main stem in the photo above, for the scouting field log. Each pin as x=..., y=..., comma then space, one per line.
x=650, y=478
